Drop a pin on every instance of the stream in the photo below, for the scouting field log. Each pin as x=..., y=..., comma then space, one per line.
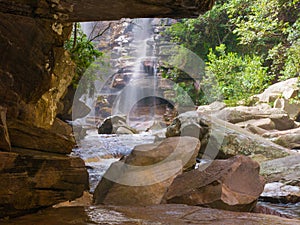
x=100, y=151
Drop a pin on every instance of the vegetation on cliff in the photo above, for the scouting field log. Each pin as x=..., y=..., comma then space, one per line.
x=246, y=45
x=84, y=53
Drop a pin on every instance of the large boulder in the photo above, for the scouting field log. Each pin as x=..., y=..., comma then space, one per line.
x=32, y=180
x=244, y=113
x=286, y=89
x=232, y=184
x=115, y=125
x=222, y=139
x=292, y=108
x=145, y=175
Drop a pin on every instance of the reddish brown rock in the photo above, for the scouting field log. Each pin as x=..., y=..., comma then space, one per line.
x=232, y=184
x=157, y=214
x=145, y=175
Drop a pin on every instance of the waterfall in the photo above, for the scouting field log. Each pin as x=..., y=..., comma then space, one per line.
x=143, y=79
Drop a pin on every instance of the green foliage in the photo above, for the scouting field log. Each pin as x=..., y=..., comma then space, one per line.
x=260, y=36
x=205, y=32
x=265, y=26
x=233, y=77
x=84, y=54
x=292, y=64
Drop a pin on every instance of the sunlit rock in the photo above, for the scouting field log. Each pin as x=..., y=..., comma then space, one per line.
x=232, y=184
x=143, y=177
x=220, y=139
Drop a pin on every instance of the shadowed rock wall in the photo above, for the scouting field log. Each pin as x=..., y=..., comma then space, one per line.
x=35, y=72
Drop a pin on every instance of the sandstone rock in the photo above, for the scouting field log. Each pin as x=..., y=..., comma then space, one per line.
x=255, y=130
x=273, y=209
x=232, y=184
x=144, y=176
x=266, y=124
x=111, y=125
x=288, y=138
x=275, y=122
x=213, y=107
x=144, y=186
x=124, y=130
x=282, y=122
x=26, y=136
x=278, y=192
x=244, y=113
x=291, y=141
x=61, y=127
x=287, y=89
x=293, y=109
x=273, y=134
x=32, y=180
x=156, y=214
x=175, y=148
x=4, y=136
x=285, y=170
x=221, y=139
x=79, y=110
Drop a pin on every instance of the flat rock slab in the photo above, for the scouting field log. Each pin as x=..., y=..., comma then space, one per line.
x=32, y=180
x=160, y=214
x=285, y=170
x=24, y=135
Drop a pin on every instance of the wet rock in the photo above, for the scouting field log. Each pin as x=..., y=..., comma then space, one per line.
x=157, y=214
x=278, y=192
x=26, y=136
x=276, y=210
x=112, y=124
x=144, y=176
x=4, y=136
x=79, y=110
x=125, y=130
x=31, y=180
x=141, y=186
x=222, y=139
x=285, y=170
x=232, y=184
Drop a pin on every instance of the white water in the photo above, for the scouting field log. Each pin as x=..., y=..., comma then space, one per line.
x=100, y=151
x=143, y=81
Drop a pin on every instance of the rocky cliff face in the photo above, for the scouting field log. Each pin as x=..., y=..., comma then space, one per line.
x=34, y=74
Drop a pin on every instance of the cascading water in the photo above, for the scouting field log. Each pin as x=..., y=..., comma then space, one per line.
x=143, y=82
